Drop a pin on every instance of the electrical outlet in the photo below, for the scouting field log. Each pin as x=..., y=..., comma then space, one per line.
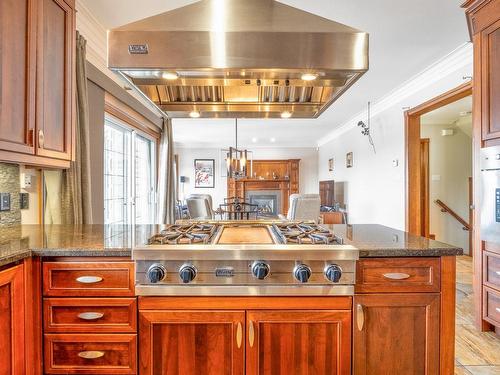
x=395, y=162
x=28, y=181
x=4, y=201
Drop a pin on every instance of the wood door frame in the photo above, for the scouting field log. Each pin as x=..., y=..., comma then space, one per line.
x=413, y=157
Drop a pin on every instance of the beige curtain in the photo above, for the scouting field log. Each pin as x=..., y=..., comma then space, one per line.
x=166, y=177
x=76, y=194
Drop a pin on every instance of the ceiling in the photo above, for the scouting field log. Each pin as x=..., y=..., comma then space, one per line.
x=406, y=36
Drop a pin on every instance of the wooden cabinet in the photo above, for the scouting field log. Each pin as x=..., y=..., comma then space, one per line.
x=37, y=71
x=484, y=25
x=17, y=75
x=396, y=334
x=55, y=76
x=12, y=328
x=386, y=275
x=93, y=329
x=245, y=335
x=191, y=342
x=298, y=342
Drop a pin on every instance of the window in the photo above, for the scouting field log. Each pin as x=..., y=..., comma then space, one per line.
x=129, y=175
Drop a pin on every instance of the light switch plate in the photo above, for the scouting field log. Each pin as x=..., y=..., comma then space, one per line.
x=4, y=201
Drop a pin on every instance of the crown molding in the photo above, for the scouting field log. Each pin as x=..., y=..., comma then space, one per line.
x=459, y=58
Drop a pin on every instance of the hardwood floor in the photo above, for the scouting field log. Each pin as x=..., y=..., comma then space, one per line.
x=477, y=353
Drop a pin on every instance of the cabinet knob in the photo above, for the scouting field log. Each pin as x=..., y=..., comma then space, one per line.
x=91, y=354
x=239, y=335
x=89, y=279
x=360, y=316
x=251, y=333
x=41, y=139
x=396, y=276
x=90, y=315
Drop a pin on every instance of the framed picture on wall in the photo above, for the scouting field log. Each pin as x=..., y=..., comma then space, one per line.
x=330, y=165
x=204, y=173
x=349, y=160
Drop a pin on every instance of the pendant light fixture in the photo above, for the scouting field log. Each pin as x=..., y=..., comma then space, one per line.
x=237, y=160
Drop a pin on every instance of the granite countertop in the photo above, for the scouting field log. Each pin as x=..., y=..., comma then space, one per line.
x=19, y=242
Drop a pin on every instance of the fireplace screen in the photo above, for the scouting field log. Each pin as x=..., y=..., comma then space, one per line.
x=268, y=202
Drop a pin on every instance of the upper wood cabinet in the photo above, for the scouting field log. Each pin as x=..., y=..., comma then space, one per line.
x=298, y=342
x=55, y=67
x=484, y=25
x=396, y=334
x=37, y=75
x=490, y=80
x=17, y=75
x=12, y=352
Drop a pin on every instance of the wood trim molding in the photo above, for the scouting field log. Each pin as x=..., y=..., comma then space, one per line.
x=123, y=112
x=412, y=136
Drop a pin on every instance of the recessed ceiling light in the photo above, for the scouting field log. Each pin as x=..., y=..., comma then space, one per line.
x=255, y=139
x=194, y=114
x=308, y=77
x=170, y=75
x=272, y=140
x=286, y=114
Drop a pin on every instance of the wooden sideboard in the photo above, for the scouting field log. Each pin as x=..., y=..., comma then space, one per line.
x=282, y=175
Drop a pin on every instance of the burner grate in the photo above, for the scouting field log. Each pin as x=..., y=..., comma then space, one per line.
x=303, y=233
x=174, y=234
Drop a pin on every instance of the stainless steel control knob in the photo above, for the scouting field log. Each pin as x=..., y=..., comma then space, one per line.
x=156, y=273
x=260, y=269
x=302, y=273
x=187, y=273
x=333, y=272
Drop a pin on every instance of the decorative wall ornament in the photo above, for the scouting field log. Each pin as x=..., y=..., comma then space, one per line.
x=349, y=160
x=365, y=130
x=330, y=165
x=204, y=173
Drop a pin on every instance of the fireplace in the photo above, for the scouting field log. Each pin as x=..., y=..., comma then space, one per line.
x=268, y=201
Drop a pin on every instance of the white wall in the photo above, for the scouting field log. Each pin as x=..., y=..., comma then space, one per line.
x=375, y=191
x=450, y=166
x=308, y=168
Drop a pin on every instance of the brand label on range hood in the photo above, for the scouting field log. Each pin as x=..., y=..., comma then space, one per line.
x=138, y=49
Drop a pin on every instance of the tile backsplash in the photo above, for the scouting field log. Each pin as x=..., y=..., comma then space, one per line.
x=9, y=183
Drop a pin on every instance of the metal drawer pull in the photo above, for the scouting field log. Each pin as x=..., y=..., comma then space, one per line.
x=91, y=354
x=497, y=309
x=251, y=334
x=239, y=335
x=90, y=315
x=89, y=279
x=498, y=273
x=396, y=276
x=360, y=316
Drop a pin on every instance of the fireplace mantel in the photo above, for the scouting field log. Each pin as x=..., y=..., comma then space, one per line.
x=286, y=181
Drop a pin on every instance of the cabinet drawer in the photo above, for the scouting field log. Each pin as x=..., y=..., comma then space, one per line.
x=491, y=272
x=90, y=314
x=491, y=308
x=380, y=275
x=88, y=279
x=90, y=354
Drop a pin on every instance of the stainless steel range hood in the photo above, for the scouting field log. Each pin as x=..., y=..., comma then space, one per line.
x=239, y=58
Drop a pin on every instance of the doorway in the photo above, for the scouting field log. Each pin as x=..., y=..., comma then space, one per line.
x=439, y=168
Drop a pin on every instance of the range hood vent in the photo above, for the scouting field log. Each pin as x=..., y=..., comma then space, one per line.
x=239, y=58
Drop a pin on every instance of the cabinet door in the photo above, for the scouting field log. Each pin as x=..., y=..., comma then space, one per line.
x=298, y=342
x=490, y=71
x=55, y=67
x=12, y=321
x=17, y=74
x=191, y=342
x=396, y=334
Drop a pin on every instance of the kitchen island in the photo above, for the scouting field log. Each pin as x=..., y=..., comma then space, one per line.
x=400, y=319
